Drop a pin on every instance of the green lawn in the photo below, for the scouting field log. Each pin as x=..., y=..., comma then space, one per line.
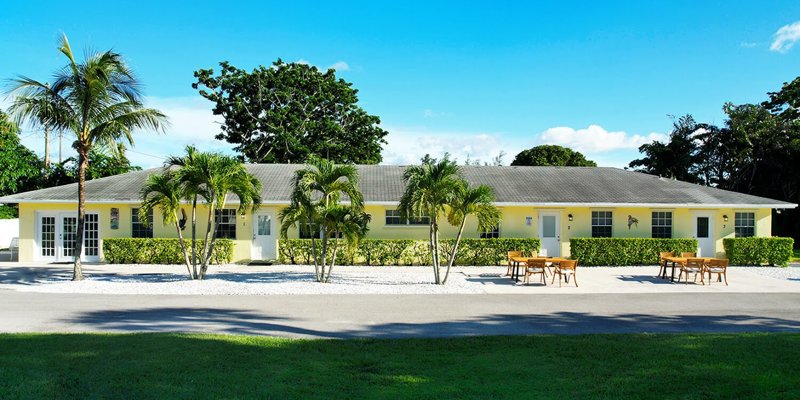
x=163, y=366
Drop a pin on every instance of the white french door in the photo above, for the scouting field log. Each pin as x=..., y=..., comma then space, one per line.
x=264, y=245
x=57, y=233
x=550, y=233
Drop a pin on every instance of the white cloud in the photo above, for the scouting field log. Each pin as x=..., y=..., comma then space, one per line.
x=595, y=139
x=340, y=66
x=407, y=145
x=785, y=37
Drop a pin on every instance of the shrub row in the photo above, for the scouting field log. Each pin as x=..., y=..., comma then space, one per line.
x=625, y=251
x=410, y=252
x=159, y=250
x=759, y=250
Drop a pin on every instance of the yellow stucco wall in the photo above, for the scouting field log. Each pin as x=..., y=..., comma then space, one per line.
x=513, y=224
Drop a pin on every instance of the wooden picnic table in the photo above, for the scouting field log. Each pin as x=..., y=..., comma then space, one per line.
x=679, y=261
x=517, y=261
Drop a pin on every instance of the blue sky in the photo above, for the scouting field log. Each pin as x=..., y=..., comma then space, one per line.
x=470, y=78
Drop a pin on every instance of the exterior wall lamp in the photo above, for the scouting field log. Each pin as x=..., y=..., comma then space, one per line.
x=570, y=217
x=725, y=218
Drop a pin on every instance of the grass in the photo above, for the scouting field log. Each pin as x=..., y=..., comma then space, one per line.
x=707, y=366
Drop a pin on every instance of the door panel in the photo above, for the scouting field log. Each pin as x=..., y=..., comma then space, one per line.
x=549, y=234
x=263, y=246
x=704, y=233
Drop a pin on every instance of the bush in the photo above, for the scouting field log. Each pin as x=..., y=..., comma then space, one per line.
x=159, y=250
x=759, y=250
x=410, y=252
x=625, y=251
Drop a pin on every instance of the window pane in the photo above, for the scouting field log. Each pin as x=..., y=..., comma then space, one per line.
x=702, y=227
x=139, y=230
x=264, y=225
x=548, y=226
x=662, y=224
x=601, y=223
x=226, y=223
x=745, y=224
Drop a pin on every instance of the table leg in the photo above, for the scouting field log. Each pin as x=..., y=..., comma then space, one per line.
x=673, y=272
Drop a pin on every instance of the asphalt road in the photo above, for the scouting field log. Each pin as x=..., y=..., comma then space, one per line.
x=346, y=316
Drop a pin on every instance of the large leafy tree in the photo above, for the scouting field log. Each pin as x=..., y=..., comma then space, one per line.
x=552, y=155
x=287, y=112
x=317, y=203
x=676, y=159
x=98, y=100
x=430, y=188
x=20, y=168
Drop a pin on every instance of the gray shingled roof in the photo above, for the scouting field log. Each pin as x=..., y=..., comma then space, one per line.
x=384, y=183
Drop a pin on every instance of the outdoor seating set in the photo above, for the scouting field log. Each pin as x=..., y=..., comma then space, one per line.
x=539, y=265
x=689, y=263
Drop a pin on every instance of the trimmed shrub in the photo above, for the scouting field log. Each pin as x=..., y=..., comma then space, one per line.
x=410, y=252
x=159, y=250
x=625, y=251
x=759, y=250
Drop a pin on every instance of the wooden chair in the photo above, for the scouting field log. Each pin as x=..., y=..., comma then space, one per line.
x=687, y=254
x=695, y=266
x=717, y=266
x=565, y=269
x=536, y=266
x=662, y=272
x=511, y=263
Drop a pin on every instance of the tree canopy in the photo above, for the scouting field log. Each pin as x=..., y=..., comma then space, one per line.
x=20, y=168
x=552, y=155
x=287, y=112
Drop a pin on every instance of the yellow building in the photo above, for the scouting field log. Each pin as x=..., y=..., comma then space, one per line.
x=551, y=203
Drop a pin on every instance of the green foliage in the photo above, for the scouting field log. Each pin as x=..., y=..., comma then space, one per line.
x=20, y=168
x=158, y=251
x=675, y=159
x=411, y=252
x=759, y=250
x=8, y=212
x=625, y=251
x=552, y=155
x=285, y=113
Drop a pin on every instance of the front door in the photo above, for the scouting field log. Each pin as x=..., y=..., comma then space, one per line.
x=264, y=244
x=549, y=234
x=57, y=233
x=704, y=233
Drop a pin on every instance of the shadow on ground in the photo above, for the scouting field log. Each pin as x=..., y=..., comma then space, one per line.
x=221, y=320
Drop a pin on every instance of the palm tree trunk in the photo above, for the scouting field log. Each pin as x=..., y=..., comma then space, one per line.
x=314, y=254
x=47, y=147
x=324, y=239
x=455, y=249
x=436, y=262
x=433, y=251
x=183, y=246
x=83, y=163
x=211, y=247
x=208, y=237
x=194, y=237
x=333, y=259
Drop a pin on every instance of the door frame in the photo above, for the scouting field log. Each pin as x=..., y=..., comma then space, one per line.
x=273, y=254
x=712, y=239
x=557, y=215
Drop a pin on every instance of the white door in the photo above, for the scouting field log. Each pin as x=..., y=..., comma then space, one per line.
x=264, y=246
x=550, y=234
x=57, y=233
x=704, y=233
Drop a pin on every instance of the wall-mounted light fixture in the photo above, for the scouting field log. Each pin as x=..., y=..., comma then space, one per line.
x=570, y=217
x=725, y=218
x=777, y=211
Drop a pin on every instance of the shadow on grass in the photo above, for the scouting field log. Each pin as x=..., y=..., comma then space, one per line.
x=221, y=320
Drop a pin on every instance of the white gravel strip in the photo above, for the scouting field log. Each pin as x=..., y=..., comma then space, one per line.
x=791, y=273
x=277, y=280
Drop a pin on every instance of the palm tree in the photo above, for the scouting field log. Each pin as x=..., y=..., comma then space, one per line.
x=98, y=100
x=316, y=203
x=165, y=192
x=214, y=177
x=471, y=201
x=430, y=188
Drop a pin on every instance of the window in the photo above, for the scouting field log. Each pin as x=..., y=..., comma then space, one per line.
x=493, y=233
x=745, y=224
x=601, y=223
x=662, y=224
x=309, y=230
x=138, y=230
x=393, y=218
x=226, y=223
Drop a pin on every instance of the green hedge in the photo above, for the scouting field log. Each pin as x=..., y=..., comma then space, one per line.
x=625, y=251
x=759, y=250
x=410, y=252
x=159, y=250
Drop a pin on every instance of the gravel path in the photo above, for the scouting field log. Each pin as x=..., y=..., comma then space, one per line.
x=791, y=273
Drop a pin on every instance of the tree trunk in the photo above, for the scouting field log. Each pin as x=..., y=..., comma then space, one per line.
x=455, y=249
x=324, y=239
x=314, y=254
x=211, y=247
x=47, y=147
x=333, y=259
x=183, y=246
x=194, y=237
x=208, y=236
x=432, y=250
x=83, y=163
x=436, y=263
